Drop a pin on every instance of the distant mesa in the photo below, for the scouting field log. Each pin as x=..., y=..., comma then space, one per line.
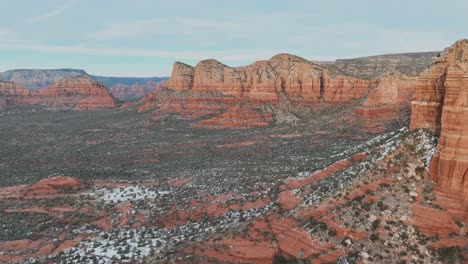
x=38, y=79
x=35, y=79
x=78, y=92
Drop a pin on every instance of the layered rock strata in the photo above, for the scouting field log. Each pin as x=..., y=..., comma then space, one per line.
x=81, y=93
x=286, y=73
x=441, y=105
x=136, y=91
x=382, y=102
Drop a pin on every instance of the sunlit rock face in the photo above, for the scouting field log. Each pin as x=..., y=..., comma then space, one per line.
x=286, y=73
x=441, y=105
x=383, y=93
x=80, y=92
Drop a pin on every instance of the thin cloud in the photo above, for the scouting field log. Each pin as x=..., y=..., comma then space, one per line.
x=177, y=55
x=49, y=15
x=161, y=26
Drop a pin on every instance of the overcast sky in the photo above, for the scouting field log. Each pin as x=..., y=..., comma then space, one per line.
x=144, y=38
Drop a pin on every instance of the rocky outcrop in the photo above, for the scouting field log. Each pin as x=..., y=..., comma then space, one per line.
x=81, y=93
x=373, y=67
x=432, y=222
x=383, y=100
x=389, y=104
x=12, y=89
x=53, y=185
x=120, y=90
x=37, y=79
x=147, y=102
x=285, y=73
x=136, y=91
x=394, y=88
x=288, y=201
x=182, y=77
x=239, y=251
x=441, y=105
x=13, y=94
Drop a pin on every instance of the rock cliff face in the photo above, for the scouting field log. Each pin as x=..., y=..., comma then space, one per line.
x=389, y=102
x=79, y=93
x=182, y=77
x=38, y=79
x=441, y=105
x=136, y=91
x=11, y=93
x=12, y=89
x=384, y=97
x=286, y=73
x=372, y=67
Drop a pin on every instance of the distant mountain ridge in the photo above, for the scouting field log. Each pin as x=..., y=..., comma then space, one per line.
x=37, y=79
x=410, y=64
x=129, y=81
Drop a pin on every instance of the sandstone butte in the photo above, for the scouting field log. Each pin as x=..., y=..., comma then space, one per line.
x=382, y=98
x=10, y=92
x=290, y=74
x=441, y=105
x=80, y=93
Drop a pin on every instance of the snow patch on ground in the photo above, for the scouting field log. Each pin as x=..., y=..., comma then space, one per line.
x=130, y=193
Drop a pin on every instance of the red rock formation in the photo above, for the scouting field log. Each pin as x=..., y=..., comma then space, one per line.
x=53, y=185
x=288, y=201
x=212, y=76
x=79, y=92
x=286, y=73
x=10, y=89
x=294, y=241
x=182, y=77
x=341, y=89
x=389, y=101
x=240, y=251
x=136, y=91
x=147, y=101
x=12, y=94
x=330, y=257
x=296, y=183
x=441, y=103
x=393, y=88
x=432, y=222
x=120, y=90
x=290, y=78
x=454, y=203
